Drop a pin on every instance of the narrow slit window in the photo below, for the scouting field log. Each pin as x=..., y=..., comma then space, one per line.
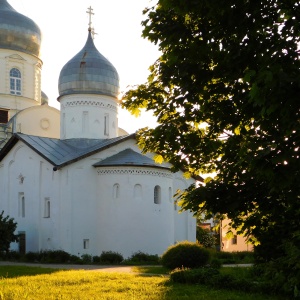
x=116, y=191
x=170, y=195
x=106, y=124
x=157, y=194
x=47, y=208
x=86, y=244
x=85, y=122
x=21, y=205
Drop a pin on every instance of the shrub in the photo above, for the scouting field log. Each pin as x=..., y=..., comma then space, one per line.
x=238, y=257
x=213, y=278
x=185, y=254
x=86, y=258
x=215, y=263
x=205, y=238
x=96, y=259
x=11, y=255
x=32, y=256
x=193, y=276
x=110, y=257
x=55, y=256
x=143, y=258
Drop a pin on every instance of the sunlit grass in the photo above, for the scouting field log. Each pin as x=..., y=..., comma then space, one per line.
x=90, y=285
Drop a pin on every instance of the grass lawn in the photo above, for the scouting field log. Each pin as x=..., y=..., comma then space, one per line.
x=17, y=283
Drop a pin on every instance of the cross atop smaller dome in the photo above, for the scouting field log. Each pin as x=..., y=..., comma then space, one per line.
x=89, y=72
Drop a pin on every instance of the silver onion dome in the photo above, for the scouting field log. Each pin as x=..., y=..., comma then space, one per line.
x=88, y=72
x=18, y=32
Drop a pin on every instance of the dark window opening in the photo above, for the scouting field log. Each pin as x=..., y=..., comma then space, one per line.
x=3, y=116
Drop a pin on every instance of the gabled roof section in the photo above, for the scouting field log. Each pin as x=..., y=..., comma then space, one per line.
x=62, y=152
x=128, y=157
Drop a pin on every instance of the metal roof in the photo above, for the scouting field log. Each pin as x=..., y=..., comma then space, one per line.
x=128, y=157
x=88, y=72
x=62, y=152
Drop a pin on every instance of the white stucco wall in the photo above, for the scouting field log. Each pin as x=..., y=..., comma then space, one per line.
x=42, y=120
x=185, y=223
x=24, y=172
x=83, y=116
x=84, y=205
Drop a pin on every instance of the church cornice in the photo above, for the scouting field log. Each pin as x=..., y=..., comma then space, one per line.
x=138, y=171
x=93, y=103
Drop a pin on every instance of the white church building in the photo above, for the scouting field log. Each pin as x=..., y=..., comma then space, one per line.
x=72, y=179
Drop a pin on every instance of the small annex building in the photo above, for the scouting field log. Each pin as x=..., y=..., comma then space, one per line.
x=72, y=179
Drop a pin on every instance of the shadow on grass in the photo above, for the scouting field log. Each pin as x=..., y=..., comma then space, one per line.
x=18, y=271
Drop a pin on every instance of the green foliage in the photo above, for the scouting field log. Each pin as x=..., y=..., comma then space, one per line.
x=11, y=255
x=215, y=263
x=143, y=258
x=32, y=257
x=193, y=276
x=55, y=256
x=7, y=229
x=225, y=92
x=110, y=257
x=238, y=257
x=86, y=258
x=185, y=255
x=205, y=238
x=239, y=279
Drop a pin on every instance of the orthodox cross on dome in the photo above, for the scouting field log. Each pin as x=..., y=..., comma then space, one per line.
x=91, y=29
x=90, y=12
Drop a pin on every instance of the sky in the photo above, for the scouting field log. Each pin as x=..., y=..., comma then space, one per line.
x=117, y=23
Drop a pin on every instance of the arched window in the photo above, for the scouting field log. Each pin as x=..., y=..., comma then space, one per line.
x=157, y=194
x=15, y=81
x=137, y=192
x=116, y=191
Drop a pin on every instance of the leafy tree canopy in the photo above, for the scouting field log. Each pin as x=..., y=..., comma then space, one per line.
x=225, y=92
x=7, y=229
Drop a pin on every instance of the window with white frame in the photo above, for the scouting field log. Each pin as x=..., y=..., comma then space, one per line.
x=15, y=81
x=47, y=207
x=157, y=194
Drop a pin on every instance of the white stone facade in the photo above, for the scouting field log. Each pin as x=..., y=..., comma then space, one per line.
x=86, y=210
